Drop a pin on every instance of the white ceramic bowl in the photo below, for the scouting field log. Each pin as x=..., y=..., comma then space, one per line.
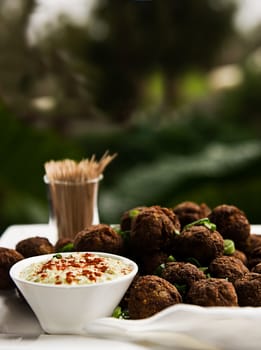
x=66, y=309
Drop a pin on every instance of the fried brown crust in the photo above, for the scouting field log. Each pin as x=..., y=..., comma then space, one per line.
x=33, y=246
x=151, y=294
x=227, y=267
x=8, y=257
x=248, y=289
x=188, y=212
x=100, y=237
x=153, y=230
x=182, y=273
x=231, y=223
x=200, y=243
x=212, y=292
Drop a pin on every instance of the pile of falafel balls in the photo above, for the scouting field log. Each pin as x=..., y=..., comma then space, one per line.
x=186, y=254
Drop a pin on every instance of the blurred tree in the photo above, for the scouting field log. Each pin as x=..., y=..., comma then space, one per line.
x=17, y=65
x=40, y=93
x=242, y=104
x=169, y=36
x=125, y=42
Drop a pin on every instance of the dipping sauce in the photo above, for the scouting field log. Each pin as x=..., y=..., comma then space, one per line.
x=76, y=269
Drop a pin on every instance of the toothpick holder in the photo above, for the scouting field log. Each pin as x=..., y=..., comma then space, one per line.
x=72, y=205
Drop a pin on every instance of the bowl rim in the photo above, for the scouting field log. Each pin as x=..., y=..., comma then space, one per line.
x=21, y=264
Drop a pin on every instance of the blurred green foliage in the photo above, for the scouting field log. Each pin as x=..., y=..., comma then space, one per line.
x=23, y=151
x=202, y=155
x=136, y=79
x=111, y=61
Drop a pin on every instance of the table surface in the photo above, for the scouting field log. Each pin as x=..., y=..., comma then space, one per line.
x=19, y=329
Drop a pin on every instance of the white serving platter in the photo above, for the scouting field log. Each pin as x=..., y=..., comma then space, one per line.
x=179, y=327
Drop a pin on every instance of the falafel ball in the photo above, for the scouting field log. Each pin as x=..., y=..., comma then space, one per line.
x=8, y=257
x=199, y=242
x=128, y=216
x=126, y=297
x=182, y=275
x=231, y=223
x=248, y=289
x=254, y=257
x=151, y=294
x=64, y=245
x=256, y=268
x=100, y=237
x=253, y=241
x=154, y=229
x=227, y=267
x=33, y=246
x=241, y=256
x=212, y=292
x=188, y=212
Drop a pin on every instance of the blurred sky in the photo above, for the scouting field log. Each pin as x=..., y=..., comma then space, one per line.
x=249, y=14
x=47, y=11
x=45, y=15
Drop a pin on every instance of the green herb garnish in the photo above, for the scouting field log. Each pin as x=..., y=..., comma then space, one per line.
x=57, y=256
x=193, y=261
x=133, y=213
x=116, y=227
x=124, y=234
x=116, y=312
x=203, y=268
x=171, y=258
x=182, y=288
x=159, y=270
x=69, y=247
x=205, y=222
x=119, y=313
x=229, y=247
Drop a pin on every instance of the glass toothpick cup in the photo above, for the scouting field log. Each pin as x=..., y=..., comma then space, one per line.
x=72, y=205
